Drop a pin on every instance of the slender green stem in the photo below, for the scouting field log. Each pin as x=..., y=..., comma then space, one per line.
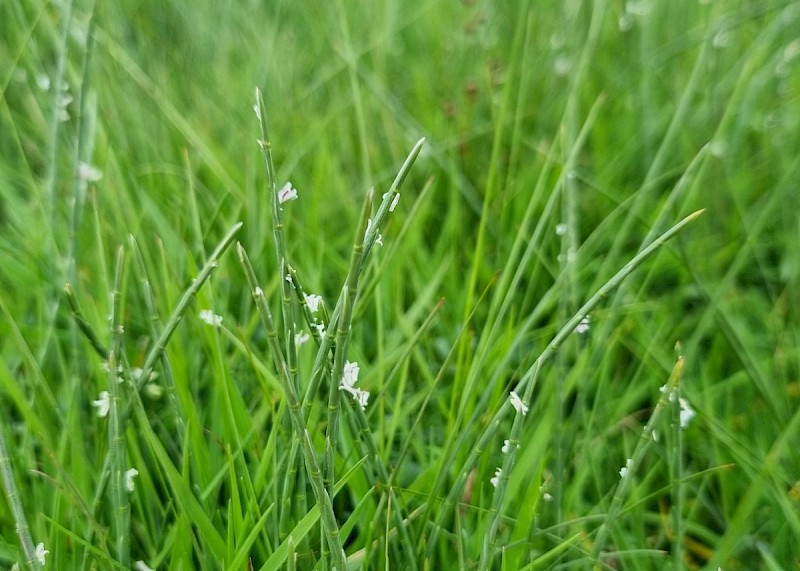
x=385, y=207
x=120, y=507
x=343, y=328
x=14, y=501
x=155, y=353
x=155, y=328
x=83, y=324
x=277, y=230
x=676, y=470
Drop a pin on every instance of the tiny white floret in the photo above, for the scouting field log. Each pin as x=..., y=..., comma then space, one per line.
x=129, y=476
x=583, y=326
x=287, y=193
x=350, y=373
x=312, y=301
x=561, y=229
x=300, y=339
x=687, y=412
x=361, y=397
x=142, y=566
x=210, y=318
x=258, y=292
x=103, y=404
x=623, y=472
x=379, y=237
x=349, y=379
x=395, y=200
x=507, y=446
x=88, y=173
x=40, y=553
x=498, y=473
x=518, y=405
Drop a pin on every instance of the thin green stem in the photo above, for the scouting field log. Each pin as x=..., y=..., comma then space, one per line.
x=120, y=507
x=14, y=501
x=343, y=329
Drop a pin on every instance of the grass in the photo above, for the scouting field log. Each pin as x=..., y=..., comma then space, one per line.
x=552, y=161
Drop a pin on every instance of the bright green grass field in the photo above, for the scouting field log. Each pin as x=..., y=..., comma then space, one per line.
x=562, y=141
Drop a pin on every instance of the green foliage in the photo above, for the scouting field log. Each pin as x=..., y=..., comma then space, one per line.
x=562, y=140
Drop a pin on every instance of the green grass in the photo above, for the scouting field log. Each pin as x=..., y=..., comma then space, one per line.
x=568, y=149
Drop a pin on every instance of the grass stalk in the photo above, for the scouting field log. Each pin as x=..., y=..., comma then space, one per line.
x=120, y=506
x=644, y=443
x=15, y=503
x=678, y=489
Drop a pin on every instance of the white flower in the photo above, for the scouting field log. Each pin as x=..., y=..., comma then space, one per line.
x=40, y=554
x=312, y=301
x=663, y=389
x=102, y=404
x=379, y=239
x=88, y=173
x=687, y=412
x=626, y=468
x=361, y=397
x=129, y=476
x=258, y=292
x=320, y=327
x=42, y=81
x=547, y=497
x=142, y=566
x=507, y=446
x=518, y=405
x=561, y=229
x=498, y=473
x=395, y=200
x=210, y=317
x=583, y=326
x=350, y=374
x=349, y=379
x=300, y=338
x=287, y=193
